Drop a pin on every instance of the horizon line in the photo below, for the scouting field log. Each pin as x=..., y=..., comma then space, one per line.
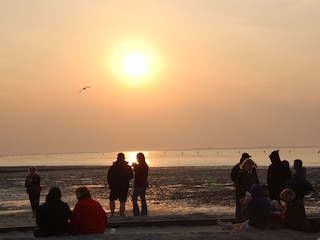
x=158, y=150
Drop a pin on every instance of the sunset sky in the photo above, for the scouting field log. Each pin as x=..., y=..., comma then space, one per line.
x=169, y=74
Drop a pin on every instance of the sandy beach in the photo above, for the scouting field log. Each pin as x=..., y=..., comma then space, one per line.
x=180, y=233
x=177, y=196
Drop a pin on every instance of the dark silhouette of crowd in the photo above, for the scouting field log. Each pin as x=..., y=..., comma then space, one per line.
x=256, y=204
x=284, y=192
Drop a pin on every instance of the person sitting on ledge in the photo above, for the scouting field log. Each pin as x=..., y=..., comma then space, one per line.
x=52, y=217
x=88, y=216
x=295, y=215
x=257, y=207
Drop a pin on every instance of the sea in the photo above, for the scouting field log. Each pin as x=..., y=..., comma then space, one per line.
x=171, y=158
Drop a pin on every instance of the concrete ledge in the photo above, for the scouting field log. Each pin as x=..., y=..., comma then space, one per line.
x=136, y=223
x=146, y=222
x=163, y=223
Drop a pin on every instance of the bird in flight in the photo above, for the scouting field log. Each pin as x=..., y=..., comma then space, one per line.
x=84, y=88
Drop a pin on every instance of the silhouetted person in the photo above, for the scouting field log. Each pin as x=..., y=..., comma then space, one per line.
x=246, y=178
x=234, y=177
x=33, y=186
x=257, y=208
x=295, y=215
x=52, y=216
x=277, y=176
x=119, y=176
x=236, y=168
x=299, y=183
x=141, y=171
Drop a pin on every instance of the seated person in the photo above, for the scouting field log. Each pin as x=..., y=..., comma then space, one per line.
x=257, y=207
x=88, y=216
x=52, y=216
x=295, y=215
x=277, y=213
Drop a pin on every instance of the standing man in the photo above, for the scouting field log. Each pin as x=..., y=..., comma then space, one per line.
x=118, y=177
x=234, y=177
x=141, y=171
x=278, y=176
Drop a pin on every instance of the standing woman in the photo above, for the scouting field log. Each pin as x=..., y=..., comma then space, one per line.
x=33, y=189
x=246, y=178
x=141, y=171
x=234, y=177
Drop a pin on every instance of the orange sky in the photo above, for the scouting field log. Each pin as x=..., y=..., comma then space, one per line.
x=221, y=74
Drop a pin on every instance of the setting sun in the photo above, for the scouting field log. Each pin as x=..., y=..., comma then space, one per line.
x=134, y=62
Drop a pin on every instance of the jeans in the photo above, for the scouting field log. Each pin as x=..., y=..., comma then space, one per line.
x=34, y=200
x=238, y=210
x=139, y=191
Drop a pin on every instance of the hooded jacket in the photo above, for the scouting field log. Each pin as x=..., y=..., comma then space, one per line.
x=52, y=216
x=277, y=176
x=119, y=175
x=258, y=208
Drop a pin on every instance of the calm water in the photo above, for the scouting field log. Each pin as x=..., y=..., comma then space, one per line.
x=217, y=157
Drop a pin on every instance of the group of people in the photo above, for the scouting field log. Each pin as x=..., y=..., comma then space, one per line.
x=54, y=217
x=119, y=176
x=282, y=196
x=255, y=203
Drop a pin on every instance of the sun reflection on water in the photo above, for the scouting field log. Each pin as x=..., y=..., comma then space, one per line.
x=131, y=157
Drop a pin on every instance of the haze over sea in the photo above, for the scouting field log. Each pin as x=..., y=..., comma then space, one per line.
x=196, y=157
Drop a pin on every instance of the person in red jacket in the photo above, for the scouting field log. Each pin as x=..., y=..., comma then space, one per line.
x=88, y=216
x=33, y=188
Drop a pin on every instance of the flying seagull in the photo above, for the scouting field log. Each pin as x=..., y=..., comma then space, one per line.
x=84, y=88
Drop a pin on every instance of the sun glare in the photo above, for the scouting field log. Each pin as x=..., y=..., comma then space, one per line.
x=131, y=157
x=134, y=62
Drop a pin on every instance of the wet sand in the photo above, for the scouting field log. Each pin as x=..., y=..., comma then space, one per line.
x=178, y=194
